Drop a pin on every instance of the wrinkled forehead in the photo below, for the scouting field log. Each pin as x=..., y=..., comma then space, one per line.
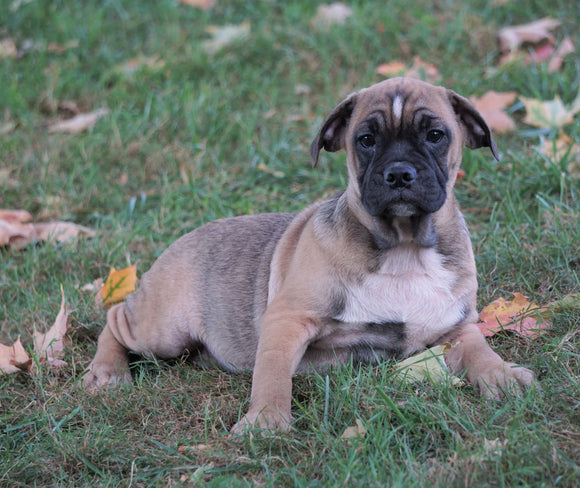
x=403, y=102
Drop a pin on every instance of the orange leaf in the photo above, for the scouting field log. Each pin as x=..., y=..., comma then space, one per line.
x=119, y=284
x=491, y=105
x=516, y=315
x=49, y=347
x=14, y=358
x=419, y=70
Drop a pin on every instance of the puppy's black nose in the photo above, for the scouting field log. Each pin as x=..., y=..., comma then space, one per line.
x=400, y=175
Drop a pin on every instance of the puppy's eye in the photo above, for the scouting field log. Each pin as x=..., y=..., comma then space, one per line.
x=435, y=136
x=367, y=141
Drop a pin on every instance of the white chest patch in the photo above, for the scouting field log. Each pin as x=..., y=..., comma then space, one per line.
x=411, y=287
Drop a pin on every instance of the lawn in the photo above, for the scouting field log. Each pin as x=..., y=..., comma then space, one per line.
x=193, y=133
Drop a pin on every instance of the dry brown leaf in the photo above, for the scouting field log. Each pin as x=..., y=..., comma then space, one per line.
x=14, y=358
x=129, y=68
x=49, y=347
x=491, y=106
x=225, y=35
x=510, y=38
x=566, y=47
x=8, y=48
x=10, y=215
x=118, y=285
x=356, y=431
x=78, y=123
x=61, y=231
x=332, y=14
x=202, y=4
x=17, y=231
x=16, y=234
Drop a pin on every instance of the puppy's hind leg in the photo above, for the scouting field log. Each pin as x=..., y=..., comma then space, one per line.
x=110, y=366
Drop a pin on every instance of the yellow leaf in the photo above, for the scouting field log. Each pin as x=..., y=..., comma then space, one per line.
x=553, y=114
x=427, y=365
x=119, y=284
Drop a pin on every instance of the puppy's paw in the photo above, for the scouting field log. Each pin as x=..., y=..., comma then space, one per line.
x=101, y=375
x=495, y=380
x=267, y=419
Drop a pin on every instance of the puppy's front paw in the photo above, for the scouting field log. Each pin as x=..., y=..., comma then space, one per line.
x=266, y=419
x=498, y=378
x=99, y=375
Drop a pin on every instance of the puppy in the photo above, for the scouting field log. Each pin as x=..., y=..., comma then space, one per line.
x=382, y=270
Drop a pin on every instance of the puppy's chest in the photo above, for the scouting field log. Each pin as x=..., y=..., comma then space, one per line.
x=412, y=292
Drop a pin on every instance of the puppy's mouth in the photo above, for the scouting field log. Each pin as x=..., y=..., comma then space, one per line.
x=421, y=195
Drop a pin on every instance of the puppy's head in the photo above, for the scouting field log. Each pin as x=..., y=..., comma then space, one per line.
x=403, y=139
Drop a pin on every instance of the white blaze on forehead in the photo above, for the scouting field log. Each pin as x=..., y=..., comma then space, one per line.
x=397, y=108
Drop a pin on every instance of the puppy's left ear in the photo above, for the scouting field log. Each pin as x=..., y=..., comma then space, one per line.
x=333, y=130
x=477, y=132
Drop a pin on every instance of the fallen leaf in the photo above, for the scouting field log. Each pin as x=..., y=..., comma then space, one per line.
x=566, y=47
x=130, y=67
x=8, y=48
x=61, y=231
x=357, y=430
x=118, y=285
x=427, y=365
x=491, y=105
x=49, y=347
x=419, y=70
x=516, y=315
x=16, y=234
x=332, y=14
x=20, y=216
x=14, y=358
x=563, y=147
x=202, y=4
x=55, y=47
x=223, y=36
x=550, y=114
x=511, y=38
x=392, y=69
x=78, y=123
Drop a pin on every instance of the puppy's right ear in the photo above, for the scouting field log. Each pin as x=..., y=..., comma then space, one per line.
x=333, y=130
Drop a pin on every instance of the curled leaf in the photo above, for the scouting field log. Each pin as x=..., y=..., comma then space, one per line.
x=49, y=347
x=14, y=358
x=79, y=123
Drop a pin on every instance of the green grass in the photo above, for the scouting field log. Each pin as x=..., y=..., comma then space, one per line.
x=188, y=143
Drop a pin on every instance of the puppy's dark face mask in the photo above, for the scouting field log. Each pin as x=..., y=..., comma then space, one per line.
x=402, y=162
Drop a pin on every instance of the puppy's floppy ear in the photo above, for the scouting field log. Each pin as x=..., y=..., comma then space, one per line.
x=333, y=130
x=477, y=132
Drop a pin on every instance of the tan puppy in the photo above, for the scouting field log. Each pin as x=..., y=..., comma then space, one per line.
x=380, y=271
